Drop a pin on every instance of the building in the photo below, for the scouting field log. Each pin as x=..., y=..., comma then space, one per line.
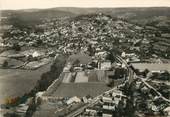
x=106, y=65
x=73, y=100
x=107, y=99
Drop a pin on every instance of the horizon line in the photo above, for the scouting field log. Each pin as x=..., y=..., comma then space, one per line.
x=84, y=7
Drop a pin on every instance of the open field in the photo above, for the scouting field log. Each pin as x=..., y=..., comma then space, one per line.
x=67, y=77
x=152, y=67
x=80, y=89
x=15, y=82
x=86, y=76
x=93, y=77
x=81, y=77
x=83, y=85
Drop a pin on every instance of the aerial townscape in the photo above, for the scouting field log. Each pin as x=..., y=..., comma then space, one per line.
x=85, y=62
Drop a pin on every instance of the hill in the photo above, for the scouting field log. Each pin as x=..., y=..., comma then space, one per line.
x=31, y=15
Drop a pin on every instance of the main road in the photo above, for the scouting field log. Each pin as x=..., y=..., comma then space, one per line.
x=130, y=71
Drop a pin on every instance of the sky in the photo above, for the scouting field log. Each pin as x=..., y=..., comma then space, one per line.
x=28, y=4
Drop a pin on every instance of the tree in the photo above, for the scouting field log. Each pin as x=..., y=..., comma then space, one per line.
x=165, y=75
x=30, y=58
x=16, y=47
x=91, y=50
x=39, y=42
x=110, y=57
x=5, y=64
x=11, y=115
x=39, y=101
x=145, y=72
x=76, y=62
x=31, y=110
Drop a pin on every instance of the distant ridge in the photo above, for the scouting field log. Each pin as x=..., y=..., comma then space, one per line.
x=67, y=11
x=34, y=16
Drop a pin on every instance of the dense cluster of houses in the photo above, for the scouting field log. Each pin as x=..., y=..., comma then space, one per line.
x=92, y=34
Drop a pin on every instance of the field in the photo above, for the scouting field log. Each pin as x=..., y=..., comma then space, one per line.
x=80, y=89
x=152, y=67
x=67, y=77
x=86, y=76
x=81, y=77
x=15, y=82
x=80, y=85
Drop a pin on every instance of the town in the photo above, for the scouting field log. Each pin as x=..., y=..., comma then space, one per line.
x=100, y=66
